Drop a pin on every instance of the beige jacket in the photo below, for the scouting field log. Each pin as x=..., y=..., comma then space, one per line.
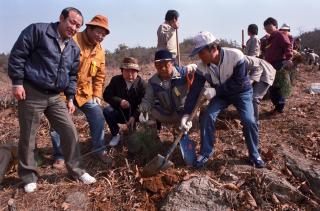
x=260, y=70
x=167, y=38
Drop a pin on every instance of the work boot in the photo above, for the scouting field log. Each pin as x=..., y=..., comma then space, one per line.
x=257, y=162
x=104, y=157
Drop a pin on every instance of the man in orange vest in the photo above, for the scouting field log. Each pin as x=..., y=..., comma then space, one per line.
x=91, y=78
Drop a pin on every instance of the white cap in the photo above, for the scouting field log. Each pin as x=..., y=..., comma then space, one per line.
x=201, y=40
x=285, y=27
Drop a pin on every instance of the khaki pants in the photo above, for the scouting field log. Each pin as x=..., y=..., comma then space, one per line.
x=29, y=113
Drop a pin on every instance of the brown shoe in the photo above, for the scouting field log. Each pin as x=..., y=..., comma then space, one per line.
x=104, y=157
x=58, y=164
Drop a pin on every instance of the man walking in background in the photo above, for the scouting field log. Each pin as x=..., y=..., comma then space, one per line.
x=167, y=33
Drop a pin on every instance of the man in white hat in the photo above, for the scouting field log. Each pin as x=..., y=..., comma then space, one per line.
x=225, y=71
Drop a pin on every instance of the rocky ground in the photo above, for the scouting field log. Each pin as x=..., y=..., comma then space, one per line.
x=290, y=143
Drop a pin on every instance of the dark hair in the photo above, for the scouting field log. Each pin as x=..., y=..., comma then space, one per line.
x=253, y=29
x=269, y=21
x=65, y=12
x=213, y=45
x=171, y=15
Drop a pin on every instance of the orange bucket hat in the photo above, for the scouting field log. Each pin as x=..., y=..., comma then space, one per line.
x=101, y=21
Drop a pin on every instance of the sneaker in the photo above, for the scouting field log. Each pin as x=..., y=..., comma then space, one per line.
x=58, y=164
x=114, y=141
x=257, y=162
x=104, y=157
x=87, y=179
x=30, y=187
x=201, y=160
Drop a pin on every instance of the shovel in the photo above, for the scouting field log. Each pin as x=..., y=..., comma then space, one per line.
x=159, y=162
x=188, y=150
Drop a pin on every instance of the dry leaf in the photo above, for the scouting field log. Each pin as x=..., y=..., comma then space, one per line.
x=65, y=206
x=249, y=198
x=231, y=186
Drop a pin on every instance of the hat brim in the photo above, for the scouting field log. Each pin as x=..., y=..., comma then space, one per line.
x=130, y=66
x=196, y=51
x=161, y=60
x=98, y=24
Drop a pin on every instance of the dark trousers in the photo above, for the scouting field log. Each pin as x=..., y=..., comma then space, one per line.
x=277, y=99
x=114, y=117
x=29, y=113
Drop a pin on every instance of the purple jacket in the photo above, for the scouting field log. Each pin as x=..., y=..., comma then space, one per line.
x=278, y=49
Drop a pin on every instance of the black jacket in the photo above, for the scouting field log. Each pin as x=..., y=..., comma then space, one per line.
x=117, y=91
x=36, y=58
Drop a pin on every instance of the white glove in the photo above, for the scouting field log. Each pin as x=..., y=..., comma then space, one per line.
x=96, y=100
x=143, y=118
x=209, y=93
x=191, y=68
x=185, y=124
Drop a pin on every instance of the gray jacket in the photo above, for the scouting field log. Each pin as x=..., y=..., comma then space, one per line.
x=167, y=38
x=166, y=98
x=252, y=47
x=260, y=70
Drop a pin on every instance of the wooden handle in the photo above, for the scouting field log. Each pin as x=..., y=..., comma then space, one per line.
x=192, y=115
x=178, y=47
x=242, y=39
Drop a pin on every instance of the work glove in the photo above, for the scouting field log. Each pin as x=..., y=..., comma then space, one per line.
x=143, y=117
x=185, y=124
x=96, y=100
x=144, y=107
x=191, y=68
x=209, y=93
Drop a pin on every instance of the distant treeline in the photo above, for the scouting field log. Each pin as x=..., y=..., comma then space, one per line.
x=311, y=40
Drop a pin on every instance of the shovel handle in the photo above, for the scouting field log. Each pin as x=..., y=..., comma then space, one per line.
x=194, y=111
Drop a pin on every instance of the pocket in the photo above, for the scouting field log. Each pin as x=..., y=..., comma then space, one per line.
x=62, y=79
x=93, y=68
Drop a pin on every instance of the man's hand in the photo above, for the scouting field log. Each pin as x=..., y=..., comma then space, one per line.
x=175, y=24
x=124, y=104
x=143, y=118
x=19, y=93
x=131, y=122
x=185, y=124
x=191, y=68
x=209, y=93
x=71, y=107
x=96, y=100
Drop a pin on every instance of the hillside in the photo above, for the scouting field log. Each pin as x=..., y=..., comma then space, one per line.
x=290, y=144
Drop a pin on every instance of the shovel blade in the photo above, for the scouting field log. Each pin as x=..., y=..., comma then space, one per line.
x=157, y=164
x=188, y=150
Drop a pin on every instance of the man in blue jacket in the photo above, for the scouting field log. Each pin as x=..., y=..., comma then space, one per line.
x=225, y=71
x=44, y=62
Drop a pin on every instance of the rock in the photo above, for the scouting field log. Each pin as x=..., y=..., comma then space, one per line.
x=197, y=193
x=76, y=201
x=283, y=190
x=306, y=170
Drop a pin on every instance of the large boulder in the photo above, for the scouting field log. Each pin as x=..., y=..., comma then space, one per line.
x=304, y=169
x=198, y=193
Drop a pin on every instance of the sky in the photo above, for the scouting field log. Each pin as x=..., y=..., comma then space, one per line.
x=135, y=22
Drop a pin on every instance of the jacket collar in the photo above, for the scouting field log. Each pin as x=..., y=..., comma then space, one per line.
x=52, y=31
x=134, y=83
x=175, y=75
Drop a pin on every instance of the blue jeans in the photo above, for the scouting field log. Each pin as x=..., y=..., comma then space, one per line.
x=94, y=115
x=243, y=103
x=113, y=117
